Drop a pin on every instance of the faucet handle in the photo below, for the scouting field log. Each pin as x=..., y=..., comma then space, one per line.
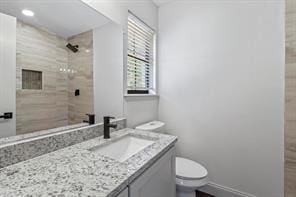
x=91, y=119
x=109, y=117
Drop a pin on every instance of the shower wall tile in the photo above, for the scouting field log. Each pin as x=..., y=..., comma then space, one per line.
x=62, y=72
x=40, y=50
x=290, y=179
x=290, y=108
x=81, y=63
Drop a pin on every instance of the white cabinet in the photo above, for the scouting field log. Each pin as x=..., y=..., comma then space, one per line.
x=124, y=193
x=158, y=180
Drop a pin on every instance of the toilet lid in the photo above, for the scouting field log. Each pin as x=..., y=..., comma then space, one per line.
x=150, y=126
x=188, y=169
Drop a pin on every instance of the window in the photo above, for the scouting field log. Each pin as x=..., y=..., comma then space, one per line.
x=140, y=57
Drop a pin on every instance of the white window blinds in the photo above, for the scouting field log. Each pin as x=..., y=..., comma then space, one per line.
x=140, y=58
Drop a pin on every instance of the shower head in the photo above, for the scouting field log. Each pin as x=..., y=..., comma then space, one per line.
x=73, y=48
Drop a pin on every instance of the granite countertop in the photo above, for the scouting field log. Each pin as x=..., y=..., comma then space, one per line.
x=76, y=171
x=15, y=138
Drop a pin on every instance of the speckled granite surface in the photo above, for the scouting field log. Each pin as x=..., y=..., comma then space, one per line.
x=76, y=171
x=20, y=150
x=16, y=138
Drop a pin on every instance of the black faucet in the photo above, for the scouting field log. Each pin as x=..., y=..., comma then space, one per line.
x=91, y=119
x=107, y=126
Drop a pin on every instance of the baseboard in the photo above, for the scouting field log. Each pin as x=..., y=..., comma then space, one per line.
x=222, y=191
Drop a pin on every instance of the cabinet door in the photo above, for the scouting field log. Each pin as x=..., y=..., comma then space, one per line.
x=124, y=193
x=158, y=180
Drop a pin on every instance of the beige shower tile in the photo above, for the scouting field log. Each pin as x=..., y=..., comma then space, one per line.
x=290, y=179
x=290, y=107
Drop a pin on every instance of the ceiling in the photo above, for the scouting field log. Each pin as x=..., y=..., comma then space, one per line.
x=161, y=2
x=65, y=18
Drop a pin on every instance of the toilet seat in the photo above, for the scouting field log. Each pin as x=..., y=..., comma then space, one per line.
x=191, y=183
x=189, y=170
x=190, y=173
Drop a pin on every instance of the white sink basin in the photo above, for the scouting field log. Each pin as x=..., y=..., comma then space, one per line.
x=123, y=148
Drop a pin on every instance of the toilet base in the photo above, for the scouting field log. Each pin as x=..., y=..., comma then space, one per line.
x=183, y=191
x=186, y=194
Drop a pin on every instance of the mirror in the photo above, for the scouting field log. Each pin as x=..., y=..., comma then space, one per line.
x=53, y=76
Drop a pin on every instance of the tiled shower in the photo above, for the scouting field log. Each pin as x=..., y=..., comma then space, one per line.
x=48, y=74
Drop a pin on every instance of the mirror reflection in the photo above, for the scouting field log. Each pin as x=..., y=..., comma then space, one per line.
x=54, y=66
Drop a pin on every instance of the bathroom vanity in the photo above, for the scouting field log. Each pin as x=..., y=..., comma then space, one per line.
x=157, y=180
x=132, y=163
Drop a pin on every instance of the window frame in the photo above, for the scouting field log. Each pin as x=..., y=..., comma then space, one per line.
x=152, y=90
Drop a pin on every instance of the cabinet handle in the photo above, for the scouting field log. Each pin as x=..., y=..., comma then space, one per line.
x=7, y=115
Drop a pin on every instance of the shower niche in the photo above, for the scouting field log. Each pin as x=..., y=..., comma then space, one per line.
x=31, y=79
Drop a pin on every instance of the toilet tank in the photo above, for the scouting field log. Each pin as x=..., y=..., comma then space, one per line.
x=154, y=126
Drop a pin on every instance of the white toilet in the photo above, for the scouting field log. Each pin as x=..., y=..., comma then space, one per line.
x=189, y=175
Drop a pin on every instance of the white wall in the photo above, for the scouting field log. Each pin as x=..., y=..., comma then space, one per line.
x=137, y=110
x=117, y=10
x=222, y=89
x=7, y=73
x=108, y=71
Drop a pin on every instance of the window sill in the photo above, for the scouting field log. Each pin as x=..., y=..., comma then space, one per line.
x=141, y=95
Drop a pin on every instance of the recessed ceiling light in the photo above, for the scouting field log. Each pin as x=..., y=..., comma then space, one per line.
x=27, y=12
